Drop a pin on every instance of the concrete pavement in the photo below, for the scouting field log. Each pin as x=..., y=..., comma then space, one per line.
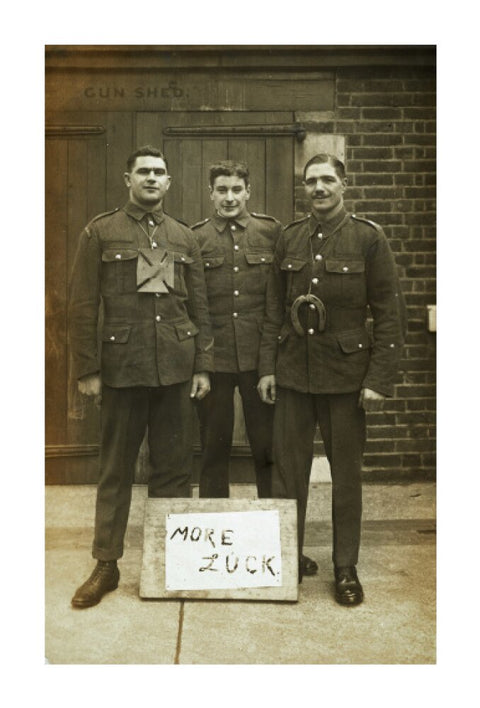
x=396, y=624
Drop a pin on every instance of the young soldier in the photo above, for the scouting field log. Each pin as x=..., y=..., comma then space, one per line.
x=237, y=249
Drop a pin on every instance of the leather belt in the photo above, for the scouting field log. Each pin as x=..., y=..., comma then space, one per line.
x=319, y=307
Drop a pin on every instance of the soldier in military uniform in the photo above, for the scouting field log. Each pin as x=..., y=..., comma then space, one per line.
x=145, y=269
x=237, y=249
x=318, y=363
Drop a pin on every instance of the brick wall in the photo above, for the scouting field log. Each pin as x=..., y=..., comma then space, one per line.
x=387, y=116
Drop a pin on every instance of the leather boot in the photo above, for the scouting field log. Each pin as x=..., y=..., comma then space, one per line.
x=348, y=590
x=308, y=565
x=104, y=578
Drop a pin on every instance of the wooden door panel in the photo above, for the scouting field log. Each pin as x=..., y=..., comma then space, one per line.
x=75, y=159
x=270, y=160
x=56, y=157
x=279, y=186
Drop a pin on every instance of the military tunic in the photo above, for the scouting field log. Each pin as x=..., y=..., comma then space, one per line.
x=151, y=344
x=148, y=339
x=325, y=282
x=237, y=254
x=349, y=266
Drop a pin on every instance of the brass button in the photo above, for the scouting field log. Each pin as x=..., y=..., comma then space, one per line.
x=236, y=269
x=233, y=227
x=118, y=256
x=345, y=269
x=154, y=244
x=236, y=293
x=320, y=235
x=158, y=318
x=235, y=314
x=312, y=306
x=289, y=265
x=112, y=338
x=360, y=346
x=315, y=281
x=207, y=265
x=262, y=259
x=318, y=257
x=236, y=247
x=311, y=331
x=157, y=294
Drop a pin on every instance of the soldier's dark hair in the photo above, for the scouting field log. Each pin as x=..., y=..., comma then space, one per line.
x=145, y=151
x=323, y=157
x=228, y=168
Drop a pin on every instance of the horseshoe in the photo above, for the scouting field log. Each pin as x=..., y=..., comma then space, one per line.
x=319, y=306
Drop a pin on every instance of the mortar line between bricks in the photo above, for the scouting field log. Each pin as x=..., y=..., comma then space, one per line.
x=180, y=630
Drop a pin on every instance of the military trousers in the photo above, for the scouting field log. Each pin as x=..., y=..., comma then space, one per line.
x=343, y=429
x=216, y=416
x=166, y=412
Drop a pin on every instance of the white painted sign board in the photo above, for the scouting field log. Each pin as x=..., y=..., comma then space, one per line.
x=223, y=550
x=220, y=549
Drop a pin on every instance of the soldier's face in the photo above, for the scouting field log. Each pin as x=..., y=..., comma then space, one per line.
x=148, y=182
x=324, y=188
x=230, y=196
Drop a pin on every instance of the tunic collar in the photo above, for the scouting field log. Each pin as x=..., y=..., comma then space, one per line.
x=137, y=212
x=329, y=227
x=221, y=222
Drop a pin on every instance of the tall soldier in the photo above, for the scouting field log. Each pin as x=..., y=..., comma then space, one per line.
x=145, y=269
x=317, y=360
x=237, y=250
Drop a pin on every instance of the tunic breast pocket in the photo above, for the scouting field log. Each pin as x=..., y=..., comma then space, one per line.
x=297, y=277
x=119, y=270
x=257, y=270
x=346, y=280
x=181, y=261
x=214, y=276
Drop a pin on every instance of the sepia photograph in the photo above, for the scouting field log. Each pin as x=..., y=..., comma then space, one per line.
x=240, y=345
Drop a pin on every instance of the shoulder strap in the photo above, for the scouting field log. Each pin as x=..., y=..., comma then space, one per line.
x=200, y=223
x=376, y=226
x=297, y=221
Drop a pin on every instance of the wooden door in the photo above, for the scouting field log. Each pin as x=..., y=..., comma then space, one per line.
x=269, y=157
x=75, y=180
x=83, y=177
x=85, y=159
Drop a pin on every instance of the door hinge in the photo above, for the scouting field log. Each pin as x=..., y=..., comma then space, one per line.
x=235, y=131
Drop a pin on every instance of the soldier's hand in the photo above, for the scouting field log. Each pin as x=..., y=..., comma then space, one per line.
x=91, y=385
x=267, y=389
x=200, y=385
x=371, y=400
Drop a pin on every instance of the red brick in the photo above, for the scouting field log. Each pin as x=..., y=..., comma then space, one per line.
x=418, y=445
x=348, y=113
x=382, y=113
x=393, y=460
x=375, y=179
x=373, y=153
x=373, y=126
x=383, y=139
x=382, y=166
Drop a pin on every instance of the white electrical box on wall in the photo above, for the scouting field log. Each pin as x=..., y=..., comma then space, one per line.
x=432, y=318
